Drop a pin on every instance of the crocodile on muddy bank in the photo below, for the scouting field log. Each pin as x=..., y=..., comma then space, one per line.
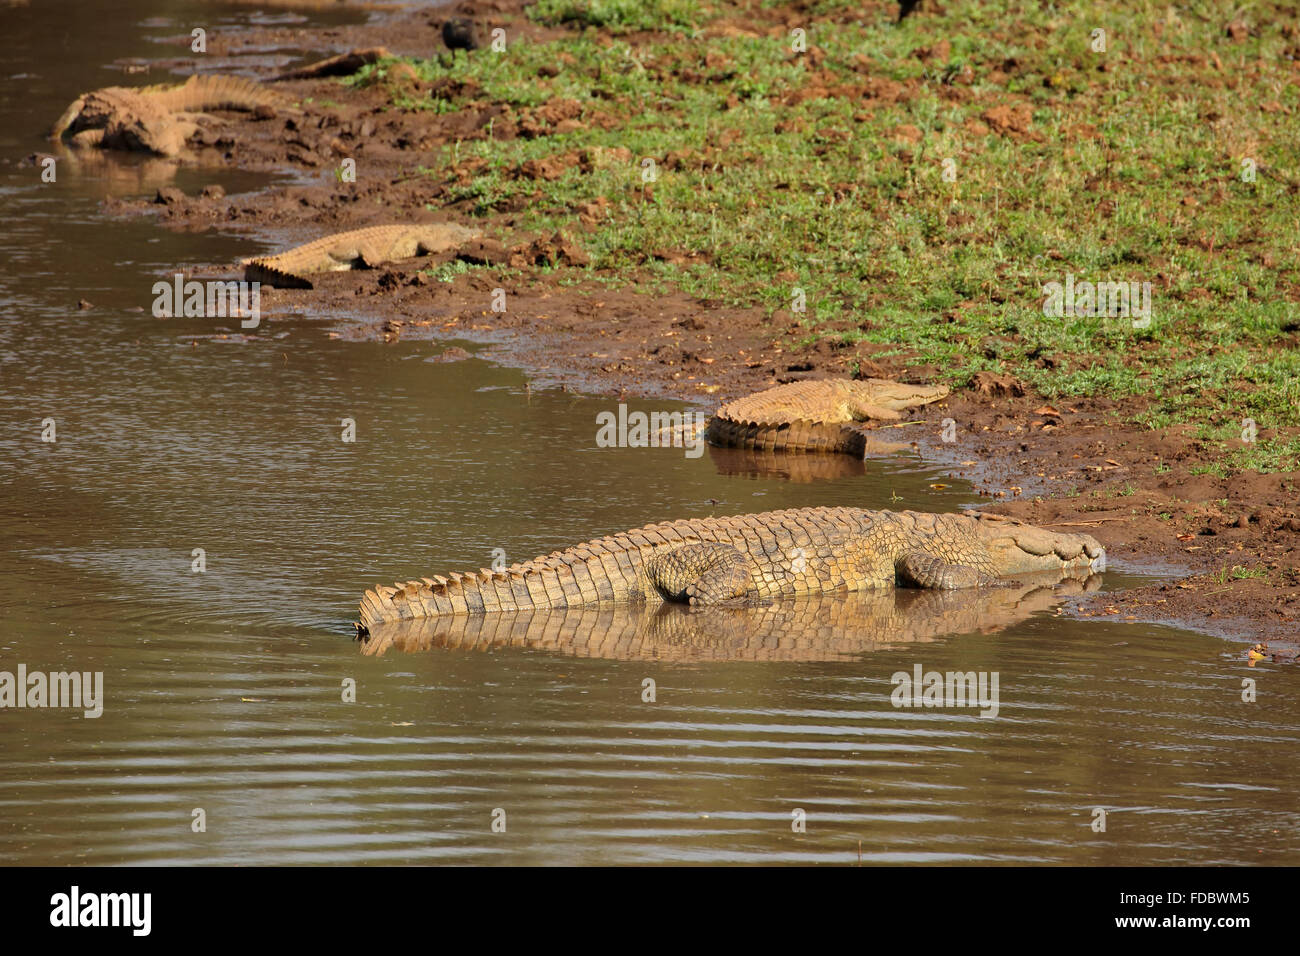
x=747, y=559
x=155, y=119
x=825, y=415
x=357, y=249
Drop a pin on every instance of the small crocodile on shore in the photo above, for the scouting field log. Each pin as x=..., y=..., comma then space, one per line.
x=155, y=119
x=358, y=249
x=816, y=416
x=748, y=558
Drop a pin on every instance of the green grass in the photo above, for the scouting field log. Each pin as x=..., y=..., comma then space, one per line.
x=619, y=15
x=1130, y=174
x=1236, y=572
x=448, y=271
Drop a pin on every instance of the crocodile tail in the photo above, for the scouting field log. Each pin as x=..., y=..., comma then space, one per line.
x=261, y=270
x=862, y=441
x=212, y=92
x=462, y=594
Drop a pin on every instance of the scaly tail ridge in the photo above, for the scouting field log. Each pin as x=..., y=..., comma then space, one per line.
x=213, y=92
x=459, y=593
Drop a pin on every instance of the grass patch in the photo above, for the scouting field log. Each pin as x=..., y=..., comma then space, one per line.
x=1236, y=572
x=618, y=15
x=448, y=271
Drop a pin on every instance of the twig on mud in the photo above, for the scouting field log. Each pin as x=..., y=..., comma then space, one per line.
x=1079, y=524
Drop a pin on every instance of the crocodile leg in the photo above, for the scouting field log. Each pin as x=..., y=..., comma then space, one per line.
x=712, y=573
x=366, y=255
x=867, y=411
x=920, y=570
x=87, y=138
x=68, y=118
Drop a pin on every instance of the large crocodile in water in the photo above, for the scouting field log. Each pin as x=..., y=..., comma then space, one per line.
x=816, y=415
x=358, y=249
x=155, y=119
x=749, y=558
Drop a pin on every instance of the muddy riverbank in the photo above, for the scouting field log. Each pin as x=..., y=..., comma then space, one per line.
x=1151, y=495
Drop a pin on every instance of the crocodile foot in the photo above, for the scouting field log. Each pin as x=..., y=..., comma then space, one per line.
x=702, y=574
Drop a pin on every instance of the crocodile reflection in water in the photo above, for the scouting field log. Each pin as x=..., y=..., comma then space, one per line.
x=795, y=468
x=818, y=627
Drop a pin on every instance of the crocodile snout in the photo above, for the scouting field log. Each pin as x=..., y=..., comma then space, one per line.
x=1022, y=549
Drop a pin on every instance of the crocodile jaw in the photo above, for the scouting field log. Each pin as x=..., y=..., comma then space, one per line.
x=1027, y=550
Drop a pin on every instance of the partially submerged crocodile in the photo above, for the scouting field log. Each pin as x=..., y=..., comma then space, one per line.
x=816, y=416
x=748, y=558
x=154, y=119
x=358, y=249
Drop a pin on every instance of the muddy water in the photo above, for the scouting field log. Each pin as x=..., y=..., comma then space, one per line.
x=223, y=689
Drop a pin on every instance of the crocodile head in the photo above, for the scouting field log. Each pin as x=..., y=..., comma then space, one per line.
x=120, y=118
x=865, y=399
x=1017, y=548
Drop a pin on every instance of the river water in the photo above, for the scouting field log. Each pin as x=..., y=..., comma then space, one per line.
x=224, y=690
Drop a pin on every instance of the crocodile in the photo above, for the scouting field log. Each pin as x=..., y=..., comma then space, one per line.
x=816, y=415
x=344, y=64
x=358, y=249
x=815, y=627
x=154, y=119
x=745, y=559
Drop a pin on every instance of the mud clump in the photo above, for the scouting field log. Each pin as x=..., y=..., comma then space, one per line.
x=553, y=251
x=995, y=386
